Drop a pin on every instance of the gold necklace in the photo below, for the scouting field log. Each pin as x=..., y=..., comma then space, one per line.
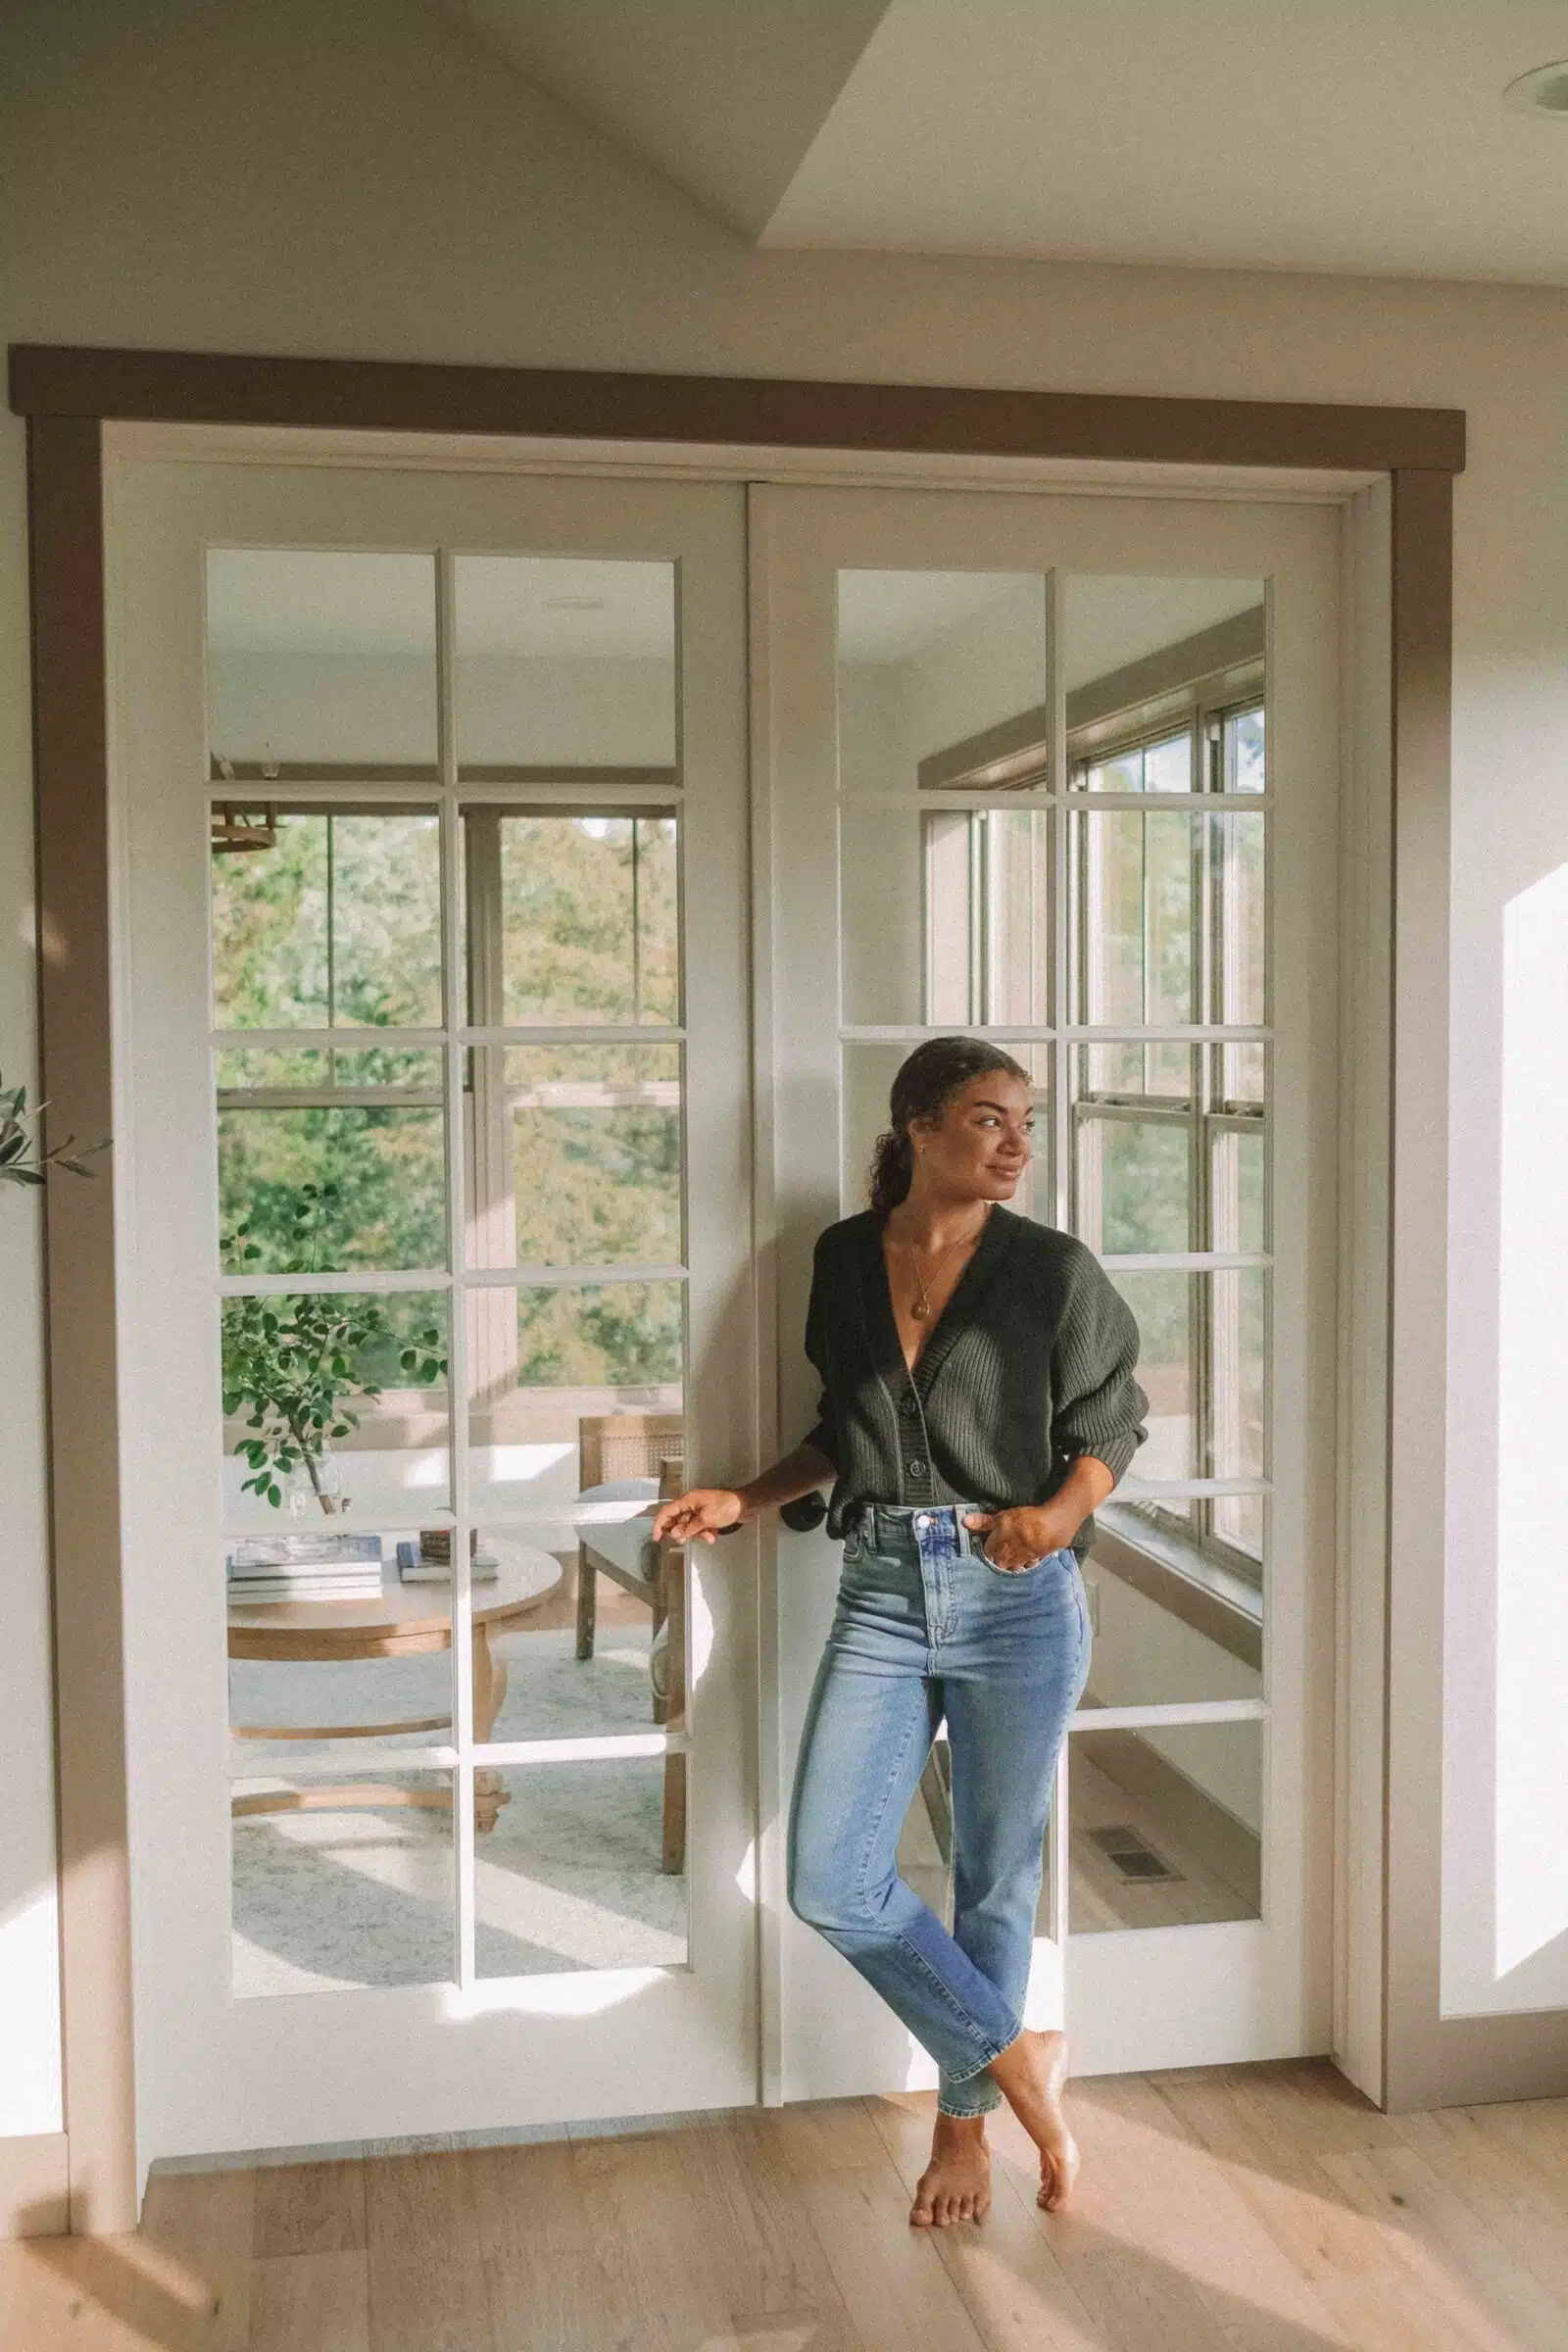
x=921, y=1308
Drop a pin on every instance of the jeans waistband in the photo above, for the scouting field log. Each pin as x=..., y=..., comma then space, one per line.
x=904, y=1522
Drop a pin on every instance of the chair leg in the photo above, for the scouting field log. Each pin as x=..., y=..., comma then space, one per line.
x=672, y=1592
x=490, y=1791
x=587, y=1594
x=674, y=1854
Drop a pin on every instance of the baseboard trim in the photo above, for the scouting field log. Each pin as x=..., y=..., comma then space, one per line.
x=35, y=2185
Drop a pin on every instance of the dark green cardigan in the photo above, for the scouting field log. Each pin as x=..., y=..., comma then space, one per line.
x=1029, y=1364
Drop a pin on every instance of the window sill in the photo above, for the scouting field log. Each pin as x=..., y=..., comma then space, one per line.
x=1176, y=1576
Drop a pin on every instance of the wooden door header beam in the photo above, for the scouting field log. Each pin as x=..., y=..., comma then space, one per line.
x=172, y=387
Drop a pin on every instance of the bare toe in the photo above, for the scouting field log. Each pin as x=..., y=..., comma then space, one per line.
x=956, y=2186
x=1057, y=2173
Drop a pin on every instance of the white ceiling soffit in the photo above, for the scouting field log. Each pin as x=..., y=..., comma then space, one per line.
x=724, y=96
x=1358, y=135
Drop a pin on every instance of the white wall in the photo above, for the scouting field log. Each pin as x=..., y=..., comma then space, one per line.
x=30, y=2009
x=513, y=711
x=354, y=182
x=988, y=668
x=1143, y=1655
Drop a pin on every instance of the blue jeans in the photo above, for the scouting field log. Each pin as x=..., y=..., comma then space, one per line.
x=926, y=1627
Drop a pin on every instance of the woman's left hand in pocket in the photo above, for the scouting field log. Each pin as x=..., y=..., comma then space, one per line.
x=1017, y=1538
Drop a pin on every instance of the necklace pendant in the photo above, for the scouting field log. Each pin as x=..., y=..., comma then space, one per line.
x=920, y=1310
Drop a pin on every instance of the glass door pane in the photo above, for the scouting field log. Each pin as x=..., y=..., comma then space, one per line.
x=996, y=847
x=575, y=1250
x=1166, y=1826
x=943, y=684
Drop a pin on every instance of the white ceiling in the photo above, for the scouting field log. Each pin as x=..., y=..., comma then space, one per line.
x=1107, y=621
x=888, y=615
x=723, y=96
x=1339, y=134
x=1352, y=135
x=296, y=601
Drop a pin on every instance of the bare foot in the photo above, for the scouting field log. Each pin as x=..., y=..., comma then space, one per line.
x=956, y=2186
x=1031, y=2074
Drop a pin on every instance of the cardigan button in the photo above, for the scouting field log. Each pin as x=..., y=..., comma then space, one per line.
x=918, y=1468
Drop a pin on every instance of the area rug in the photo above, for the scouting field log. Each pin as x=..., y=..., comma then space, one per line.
x=570, y=1877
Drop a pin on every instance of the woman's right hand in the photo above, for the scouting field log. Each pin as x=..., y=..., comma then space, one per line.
x=701, y=1512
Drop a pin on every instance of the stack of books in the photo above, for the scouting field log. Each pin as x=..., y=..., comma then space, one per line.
x=323, y=1567
x=430, y=1561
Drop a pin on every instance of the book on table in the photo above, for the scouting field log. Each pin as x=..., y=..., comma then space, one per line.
x=246, y=1596
x=344, y=1566
x=415, y=1568
x=280, y=1555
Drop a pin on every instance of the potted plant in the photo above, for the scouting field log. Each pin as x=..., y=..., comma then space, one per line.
x=22, y=1160
x=298, y=1360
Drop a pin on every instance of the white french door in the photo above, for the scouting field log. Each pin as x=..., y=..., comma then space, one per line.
x=435, y=1089
x=1062, y=770
x=434, y=1128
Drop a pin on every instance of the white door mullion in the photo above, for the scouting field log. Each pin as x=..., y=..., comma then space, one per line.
x=1171, y=1489
x=1061, y=1139
x=452, y=940
x=587, y=1749
x=332, y=1759
x=1168, y=1713
x=1025, y=1033
x=352, y=1281
x=1058, y=1875
x=321, y=1040
x=579, y=1033
x=1147, y=801
x=1182, y=1261
x=479, y=1277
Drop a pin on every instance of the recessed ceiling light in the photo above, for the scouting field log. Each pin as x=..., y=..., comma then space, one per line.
x=1544, y=90
x=574, y=604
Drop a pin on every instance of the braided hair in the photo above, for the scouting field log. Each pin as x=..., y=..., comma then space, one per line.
x=927, y=1080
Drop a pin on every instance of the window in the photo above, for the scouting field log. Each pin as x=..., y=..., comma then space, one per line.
x=1138, y=894
x=328, y=919
x=1169, y=1139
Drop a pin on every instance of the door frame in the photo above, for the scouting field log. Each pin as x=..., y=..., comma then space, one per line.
x=1391, y=469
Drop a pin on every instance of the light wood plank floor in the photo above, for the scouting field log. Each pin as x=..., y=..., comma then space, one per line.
x=1243, y=2209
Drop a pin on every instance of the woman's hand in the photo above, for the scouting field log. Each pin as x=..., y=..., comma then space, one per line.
x=700, y=1512
x=1017, y=1539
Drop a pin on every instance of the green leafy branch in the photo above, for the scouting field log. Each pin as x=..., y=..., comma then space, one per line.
x=298, y=1360
x=22, y=1160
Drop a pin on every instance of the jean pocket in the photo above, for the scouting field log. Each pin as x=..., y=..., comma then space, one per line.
x=855, y=1547
x=1016, y=1576
x=1081, y=1595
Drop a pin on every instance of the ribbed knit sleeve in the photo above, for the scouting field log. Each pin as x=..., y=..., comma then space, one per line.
x=1098, y=1406
x=823, y=1434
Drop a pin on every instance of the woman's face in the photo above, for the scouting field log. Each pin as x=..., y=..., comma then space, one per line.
x=982, y=1143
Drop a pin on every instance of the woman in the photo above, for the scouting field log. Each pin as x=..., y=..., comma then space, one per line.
x=978, y=1402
